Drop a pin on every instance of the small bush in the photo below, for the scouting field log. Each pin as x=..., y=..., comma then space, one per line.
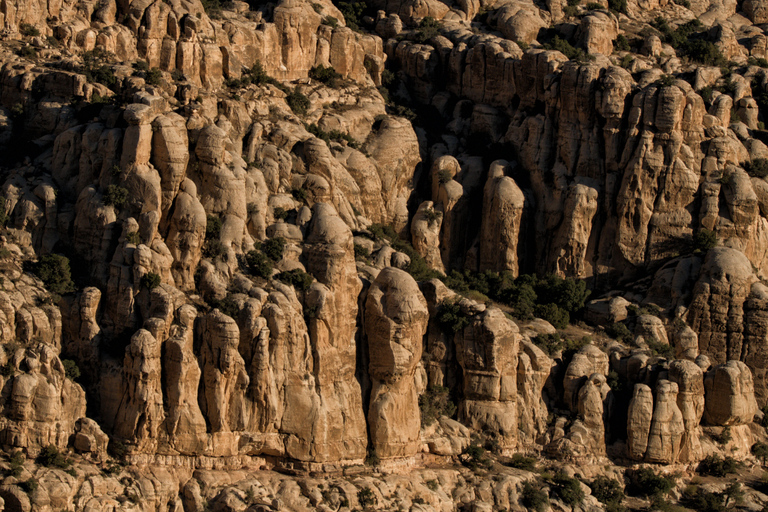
x=757, y=168
x=593, y=6
x=533, y=498
x=361, y=253
x=117, y=450
x=760, y=450
x=683, y=3
x=212, y=227
x=619, y=331
x=259, y=264
x=520, y=461
x=564, y=47
x=372, y=459
x=618, y=6
x=150, y=281
x=325, y=75
x=474, y=457
x=621, y=44
x=714, y=465
x=280, y=213
x=644, y=482
x=429, y=27
x=607, y=490
x=71, y=370
x=50, y=457
x=214, y=249
x=661, y=349
x=133, y=238
x=227, y=305
x=54, y=271
x=274, y=248
x=140, y=65
x=116, y=196
x=724, y=437
x=567, y=489
x=330, y=21
x=451, y=317
x=29, y=486
x=704, y=240
x=366, y=497
x=297, y=102
x=153, y=76
x=435, y=403
x=553, y=314
x=299, y=279
x=549, y=343
x=28, y=30
x=300, y=194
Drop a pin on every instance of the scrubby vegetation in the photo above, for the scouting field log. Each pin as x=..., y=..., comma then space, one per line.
x=714, y=465
x=645, y=482
x=689, y=39
x=55, y=272
x=434, y=403
x=532, y=497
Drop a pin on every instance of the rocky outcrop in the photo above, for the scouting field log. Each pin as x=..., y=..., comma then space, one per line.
x=729, y=395
x=396, y=320
x=487, y=351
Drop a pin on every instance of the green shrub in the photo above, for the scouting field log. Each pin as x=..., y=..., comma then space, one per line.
x=95, y=67
x=429, y=27
x=434, y=403
x=300, y=194
x=29, y=486
x=366, y=497
x=7, y=369
x=661, y=349
x=28, y=52
x=116, y=196
x=361, y=253
x=150, y=281
x=54, y=271
x=618, y=6
x=520, y=461
x=212, y=227
x=16, y=462
x=297, y=102
x=326, y=75
x=760, y=450
x=153, y=76
x=593, y=6
x=714, y=465
x=549, y=343
x=353, y=13
x=474, y=457
x=330, y=21
x=228, y=305
x=558, y=317
x=280, y=213
x=724, y=437
x=644, y=482
x=28, y=30
x=451, y=317
x=621, y=44
x=50, y=457
x=71, y=369
x=607, y=490
x=567, y=489
x=117, y=450
x=372, y=459
x=757, y=168
x=683, y=3
x=564, y=47
x=133, y=238
x=258, y=264
x=214, y=249
x=619, y=331
x=533, y=498
x=299, y=279
x=704, y=240
x=140, y=65
x=274, y=248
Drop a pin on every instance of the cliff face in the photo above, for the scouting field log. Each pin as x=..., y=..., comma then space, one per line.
x=256, y=204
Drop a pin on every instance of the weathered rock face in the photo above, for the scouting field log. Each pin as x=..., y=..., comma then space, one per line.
x=396, y=319
x=690, y=400
x=729, y=395
x=639, y=419
x=667, y=426
x=487, y=351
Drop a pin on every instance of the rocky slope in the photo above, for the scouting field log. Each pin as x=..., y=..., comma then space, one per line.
x=283, y=256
